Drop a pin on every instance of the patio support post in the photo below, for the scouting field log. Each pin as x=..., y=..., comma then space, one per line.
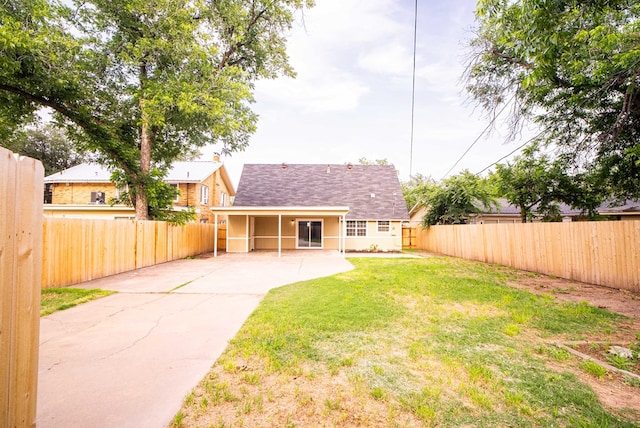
x=246, y=228
x=279, y=235
x=344, y=235
x=215, y=235
x=339, y=236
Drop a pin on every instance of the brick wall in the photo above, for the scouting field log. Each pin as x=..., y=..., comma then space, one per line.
x=80, y=193
x=190, y=196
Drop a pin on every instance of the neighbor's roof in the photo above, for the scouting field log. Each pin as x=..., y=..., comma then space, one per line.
x=370, y=191
x=606, y=208
x=180, y=172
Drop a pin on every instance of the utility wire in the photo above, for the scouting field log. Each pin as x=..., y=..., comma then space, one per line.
x=413, y=85
x=493, y=120
x=508, y=154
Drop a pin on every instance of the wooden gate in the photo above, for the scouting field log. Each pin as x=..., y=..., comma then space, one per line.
x=222, y=238
x=408, y=237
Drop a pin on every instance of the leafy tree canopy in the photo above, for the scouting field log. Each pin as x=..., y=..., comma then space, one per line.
x=457, y=198
x=417, y=189
x=140, y=82
x=364, y=161
x=573, y=67
x=536, y=184
x=47, y=144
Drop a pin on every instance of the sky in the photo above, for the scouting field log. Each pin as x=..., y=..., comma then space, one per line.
x=351, y=97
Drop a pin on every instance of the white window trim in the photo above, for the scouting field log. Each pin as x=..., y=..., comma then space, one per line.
x=321, y=233
x=121, y=189
x=356, y=227
x=223, y=199
x=204, y=194
x=177, y=186
x=388, y=226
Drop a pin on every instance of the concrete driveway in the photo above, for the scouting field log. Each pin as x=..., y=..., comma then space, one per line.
x=128, y=360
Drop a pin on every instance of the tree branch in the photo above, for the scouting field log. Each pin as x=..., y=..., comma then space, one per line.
x=90, y=126
x=236, y=46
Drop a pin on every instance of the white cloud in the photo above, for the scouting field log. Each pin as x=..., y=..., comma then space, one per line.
x=352, y=95
x=392, y=58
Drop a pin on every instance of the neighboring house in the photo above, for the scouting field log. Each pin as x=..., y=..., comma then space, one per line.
x=507, y=213
x=416, y=213
x=630, y=210
x=86, y=189
x=300, y=206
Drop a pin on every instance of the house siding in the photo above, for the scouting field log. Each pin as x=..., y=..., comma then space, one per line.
x=80, y=193
x=264, y=235
x=382, y=241
x=236, y=234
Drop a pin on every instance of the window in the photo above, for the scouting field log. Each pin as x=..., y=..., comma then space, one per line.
x=122, y=194
x=98, y=197
x=383, y=225
x=356, y=228
x=177, y=187
x=204, y=195
x=223, y=199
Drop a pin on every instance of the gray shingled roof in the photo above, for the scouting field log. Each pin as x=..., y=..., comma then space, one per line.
x=607, y=207
x=370, y=191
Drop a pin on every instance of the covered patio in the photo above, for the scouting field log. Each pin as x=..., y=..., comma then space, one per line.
x=283, y=228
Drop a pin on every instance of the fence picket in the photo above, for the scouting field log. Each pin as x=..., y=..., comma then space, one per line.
x=21, y=195
x=77, y=250
x=603, y=253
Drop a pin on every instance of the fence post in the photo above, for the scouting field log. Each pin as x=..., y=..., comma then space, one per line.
x=21, y=200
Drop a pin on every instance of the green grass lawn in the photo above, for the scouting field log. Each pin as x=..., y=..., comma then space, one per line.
x=405, y=342
x=58, y=299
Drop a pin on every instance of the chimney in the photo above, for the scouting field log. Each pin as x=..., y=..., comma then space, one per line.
x=328, y=169
x=216, y=157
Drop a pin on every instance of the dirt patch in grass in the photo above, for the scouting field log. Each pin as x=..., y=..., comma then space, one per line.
x=614, y=390
x=611, y=299
x=291, y=399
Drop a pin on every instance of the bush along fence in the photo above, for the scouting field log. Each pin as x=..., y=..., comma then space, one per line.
x=604, y=253
x=21, y=192
x=77, y=250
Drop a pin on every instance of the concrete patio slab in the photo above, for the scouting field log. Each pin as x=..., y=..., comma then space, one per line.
x=129, y=359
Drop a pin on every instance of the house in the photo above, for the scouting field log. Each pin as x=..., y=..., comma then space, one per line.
x=508, y=213
x=302, y=206
x=416, y=213
x=86, y=189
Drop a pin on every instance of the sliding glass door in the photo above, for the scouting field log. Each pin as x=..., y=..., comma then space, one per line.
x=309, y=234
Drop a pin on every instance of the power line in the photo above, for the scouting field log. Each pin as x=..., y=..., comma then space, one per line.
x=493, y=120
x=509, y=154
x=413, y=84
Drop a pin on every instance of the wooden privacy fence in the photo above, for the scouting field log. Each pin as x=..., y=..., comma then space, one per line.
x=77, y=250
x=604, y=253
x=21, y=194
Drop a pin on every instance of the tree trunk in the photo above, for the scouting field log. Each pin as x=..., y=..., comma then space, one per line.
x=523, y=214
x=146, y=141
x=142, y=203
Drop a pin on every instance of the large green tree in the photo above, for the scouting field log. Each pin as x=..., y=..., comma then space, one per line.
x=141, y=82
x=571, y=66
x=47, y=144
x=417, y=189
x=456, y=199
x=537, y=185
